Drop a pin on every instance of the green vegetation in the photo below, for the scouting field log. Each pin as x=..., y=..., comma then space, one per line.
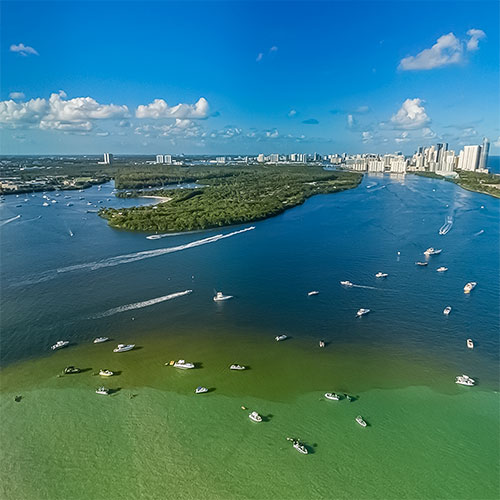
x=228, y=196
x=481, y=183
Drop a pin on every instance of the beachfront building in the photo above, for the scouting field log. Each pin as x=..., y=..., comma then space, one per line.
x=108, y=159
x=469, y=158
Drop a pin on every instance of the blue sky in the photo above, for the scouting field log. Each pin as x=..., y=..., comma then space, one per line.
x=247, y=77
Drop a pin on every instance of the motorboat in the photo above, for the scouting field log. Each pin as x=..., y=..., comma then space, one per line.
x=102, y=390
x=433, y=251
x=99, y=340
x=349, y=398
x=470, y=286
x=360, y=421
x=183, y=365
x=465, y=380
x=60, y=344
x=279, y=338
x=123, y=347
x=71, y=369
x=237, y=367
x=106, y=373
x=313, y=292
x=45, y=204
x=332, y=396
x=362, y=312
x=200, y=390
x=220, y=297
x=322, y=343
x=298, y=446
x=442, y=269
x=346, y=283
x=255, y=417
x=69, y=204
x=381, y=275
x=421, y=263
x=470, y=344
x=53, y=201
x=447, y=310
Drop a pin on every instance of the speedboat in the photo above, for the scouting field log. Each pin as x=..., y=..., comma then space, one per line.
x=298, y=446
x=98, y=340
x=314, y=292
x=102, y=390
x=381, y=275
x=183, y=365
x=219, y=297
x=432, y=251
x=278, y=338
x=465, y=380
x=45, y=204
x=421, y=263
x=123, y=347
x=332, y=396
x=60, y=344
x=200, y=390
x=362, y=312
x=237, y=367
x=442, y=269
x=346, y=283
x=71, y=369
x=470, y=344
x=470, y=286
x=69, y=204
x=360, y=421
x=447, y=310
x=322, y=343
x=105, y=373
x=255, y=417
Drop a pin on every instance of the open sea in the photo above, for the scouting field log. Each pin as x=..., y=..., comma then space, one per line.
x=65, y=275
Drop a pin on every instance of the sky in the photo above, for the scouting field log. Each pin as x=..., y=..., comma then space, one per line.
x=234, y=77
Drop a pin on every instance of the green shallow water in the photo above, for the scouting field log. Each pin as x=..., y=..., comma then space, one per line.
x=428, y=438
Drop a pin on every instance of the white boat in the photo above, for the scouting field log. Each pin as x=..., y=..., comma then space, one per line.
x=465, y=380
x=200, y=390
x=470, y=286
x=53, y=201
x=45, y=204
x=298, y=446
x=314, y=292
x=60, y=344
x=102, y=390
x=447, y=310
x=237, y=367
x=332, y=396
x=432, y=251
x=123, y=347
x=255, y=417
x=278, y=338
x=154, y=237
x=98, y=340
x=381, y=275
x=362, y=312
x=446, y=227
x=69, y=204
x=346, y=283
x=322, y=343
x=442, y=269
x=219, y=297
x=183, y=365
x=470, y=344
x=360, y=421
x=106, y=373
x=421, y=263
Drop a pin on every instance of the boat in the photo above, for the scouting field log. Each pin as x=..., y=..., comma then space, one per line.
x=71, y=369
x=464, y=380
x=346, y=283
x=432, y=251
x=381, y=275
x=53, y=201
x=237, y=367
x=60, y=344
x=332, y=396
x=154, y=237
x=360, y=421
x=447, y=310
x=349, y=398
x=102, y=390
x=470, y=286
x=255, y=417
x=69, y=204
x=362, y=312
x=445, y=228
x=45, y=204
x=421, y=263
x=106, y=373
x=278, y=338
x=98, y=340
x=219, y=297
x=200, y=390
x=183, y=365
x=470, y=344
x=298, y=446
x=314, y=292
x=19, y=206
x=322, y=343
x=442, y=269
x=123, y=347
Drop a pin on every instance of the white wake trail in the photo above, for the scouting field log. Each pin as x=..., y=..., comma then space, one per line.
x=140, y=305
x=12, y=219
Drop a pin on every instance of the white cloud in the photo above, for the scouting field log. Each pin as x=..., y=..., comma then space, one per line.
x=475, y=35
x=17, y=95
x=273, y=49
x=24, y=50
x=497, y=142
x=272, y=134
x=402, y=138
x=181, y=128
x=362, y=109
x=350, y=121
x=411, y=115
x=292, y=112
x=366, y=137
x=428, y=133
x=160, y=109
x=21, y=113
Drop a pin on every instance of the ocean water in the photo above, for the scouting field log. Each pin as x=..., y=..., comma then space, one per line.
x=153, y=437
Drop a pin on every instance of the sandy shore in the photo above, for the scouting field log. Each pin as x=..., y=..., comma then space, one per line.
x=159, y=199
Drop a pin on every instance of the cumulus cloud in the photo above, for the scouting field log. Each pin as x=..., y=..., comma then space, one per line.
x=260, y=55
x=428, y=133
x=180, y=128
x=292, y=112
x=411, y=115
x=272, y=134
x=311, y=121
x=366, y=137
x=19, y=113
x=403, y=137
x=350, y=121
x=17, y=95
x=24, y=50
x=273, y=49
x=497, y=142
x=475, y=35
x=160, y=109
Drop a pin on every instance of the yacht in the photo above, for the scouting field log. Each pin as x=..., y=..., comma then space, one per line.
x=332, y=396
x=447, y=310
x=278, y=338
x=71, y=369
x=60, y=344
x=53, y=201
x=432, y=251
x=322, y=343
x=314, y=292
x=421, y=263
x=219, y=297
x=470, y=286
x=98, y=340
x=200, y=390
x=123, y=347
x=298, y=446
x=442, y=269
x=346, y=283
x=360, y=421
x=381, y=275
x=45, y=204
x=105, y=373
x=183, y=365
x=237, y=367
x=102, y=390
x=255, y=417
x=69, y=204
x=465, y=380
x=470, y=344
x=362, y=312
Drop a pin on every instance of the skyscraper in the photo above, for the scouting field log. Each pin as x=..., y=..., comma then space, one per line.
x=483, y=159
x=469, y=158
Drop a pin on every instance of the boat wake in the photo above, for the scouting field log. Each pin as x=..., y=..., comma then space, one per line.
x=446, y=227
x=140, y=305
x=364, y=286
x=12, y=219
x=479, y=232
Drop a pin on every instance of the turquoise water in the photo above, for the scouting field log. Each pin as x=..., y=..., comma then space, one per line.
x=428, y=437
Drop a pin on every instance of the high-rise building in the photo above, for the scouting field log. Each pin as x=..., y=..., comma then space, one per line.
x=469, y=158
x=108, y=159
x=483, y=159
x=167, y=159
x=261, y=158
x=159, y=158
